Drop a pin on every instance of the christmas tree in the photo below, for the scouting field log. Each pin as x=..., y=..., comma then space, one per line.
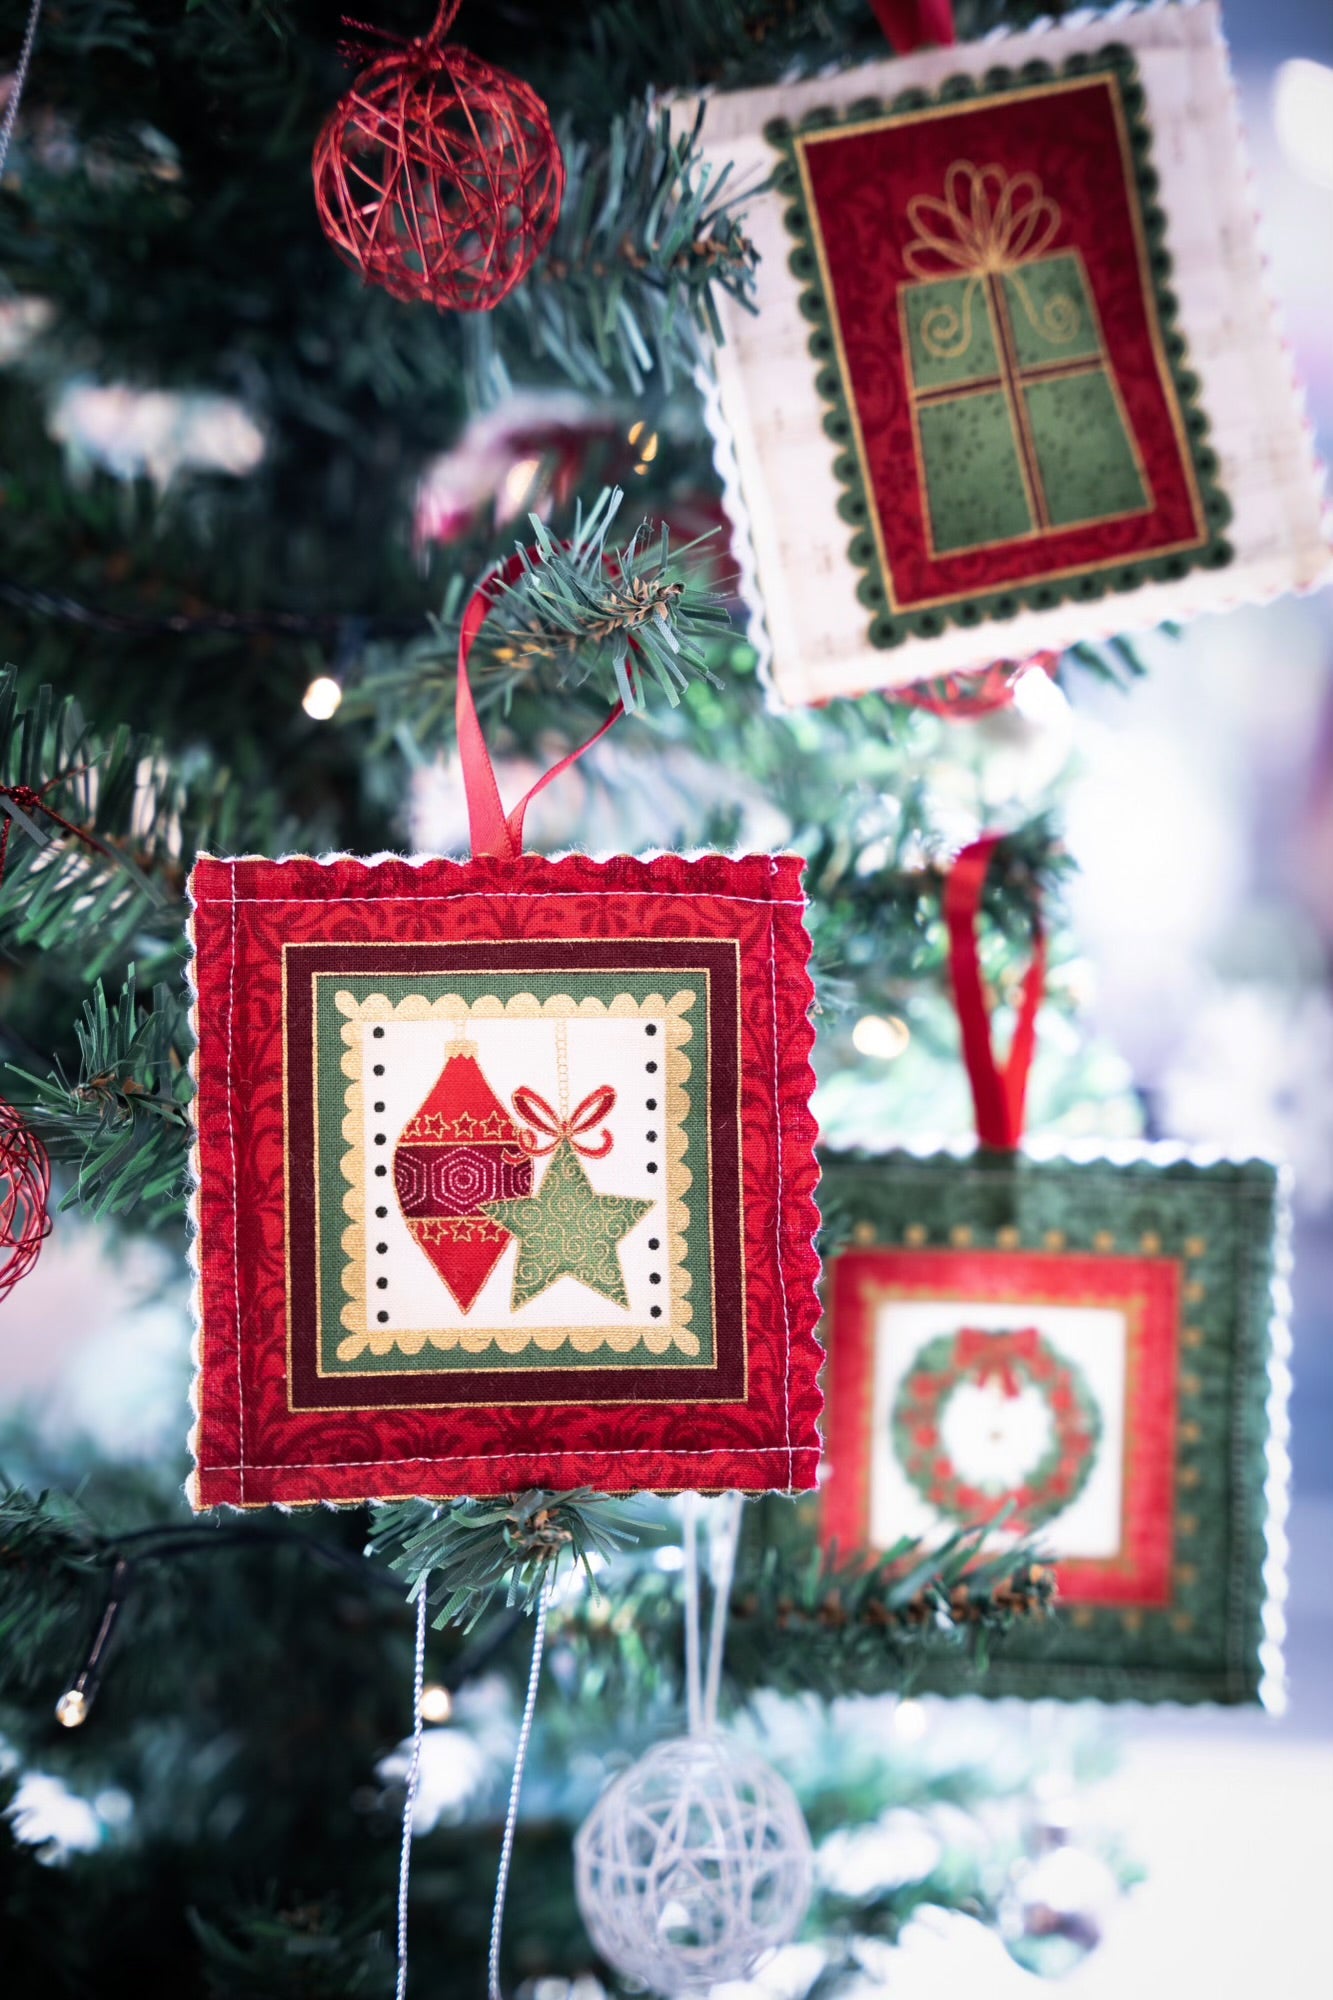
x=247, y=497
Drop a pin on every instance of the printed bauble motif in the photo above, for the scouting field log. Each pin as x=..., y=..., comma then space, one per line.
x=457, y=1153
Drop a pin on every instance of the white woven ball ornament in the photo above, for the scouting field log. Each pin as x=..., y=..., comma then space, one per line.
x=692, y=1865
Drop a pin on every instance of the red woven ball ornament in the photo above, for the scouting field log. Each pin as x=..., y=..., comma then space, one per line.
x=438, y=176
x=25, y=1186
x=964, y=697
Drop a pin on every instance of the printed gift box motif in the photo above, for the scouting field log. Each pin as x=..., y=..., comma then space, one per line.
x=1012, y=382
x=1094, y=1347
x=1019, y=422
x=1011, y=398
x=506, y=1177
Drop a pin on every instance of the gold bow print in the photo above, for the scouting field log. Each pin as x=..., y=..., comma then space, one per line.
x=987, y=224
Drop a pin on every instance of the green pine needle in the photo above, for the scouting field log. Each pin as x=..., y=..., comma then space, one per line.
x=462, y=1555
x=124, y=1120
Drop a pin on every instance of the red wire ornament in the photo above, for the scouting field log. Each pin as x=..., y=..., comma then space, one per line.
x=964, y=697
x=25, y=1187
x=438, y=176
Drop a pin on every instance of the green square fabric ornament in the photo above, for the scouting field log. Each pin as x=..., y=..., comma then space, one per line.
x=1085, y=1354
x=1095, y=1348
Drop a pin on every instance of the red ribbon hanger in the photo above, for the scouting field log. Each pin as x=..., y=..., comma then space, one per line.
x=999, y=1094
x=535, y=1111
x=916, y=24
x=495, y=833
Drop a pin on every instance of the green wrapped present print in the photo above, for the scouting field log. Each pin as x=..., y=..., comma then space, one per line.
x=1019, y=425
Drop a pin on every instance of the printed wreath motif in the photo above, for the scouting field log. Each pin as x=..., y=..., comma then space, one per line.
x=1020, y=1358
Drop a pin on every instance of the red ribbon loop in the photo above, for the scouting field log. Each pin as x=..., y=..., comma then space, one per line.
x=999, y=1095
x=916, y=24
x=495, y=833
x=534, y=1110
x=995, y=1354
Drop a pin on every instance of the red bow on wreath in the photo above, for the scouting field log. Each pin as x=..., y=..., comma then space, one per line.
x=995, y=1354
x=534, y=1110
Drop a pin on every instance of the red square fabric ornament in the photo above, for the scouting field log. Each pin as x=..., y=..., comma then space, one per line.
x=505, y=1172
x=1014, y=380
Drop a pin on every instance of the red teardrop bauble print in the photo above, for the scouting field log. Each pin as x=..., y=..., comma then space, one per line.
x=459, y=1151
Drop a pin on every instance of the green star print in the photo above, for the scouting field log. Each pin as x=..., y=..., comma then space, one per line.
x=567, y=1229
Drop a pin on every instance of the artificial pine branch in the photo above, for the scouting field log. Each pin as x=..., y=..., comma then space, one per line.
x=104, y=830
x=626, y=288
x=801, y=1621
x=590, y=607
x=311, y=1949
x=581, y=610
x=1027, y=872
x=124, y=1120
x=68, y=802
x=51, y=1559
x=463, y=1554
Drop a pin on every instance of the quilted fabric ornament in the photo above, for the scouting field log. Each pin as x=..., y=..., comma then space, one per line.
x=1013, y=381
x=506, y=1170
x=1094, y=1349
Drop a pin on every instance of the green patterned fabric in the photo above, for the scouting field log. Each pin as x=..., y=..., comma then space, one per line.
x=978, y=349
x=567, y=1229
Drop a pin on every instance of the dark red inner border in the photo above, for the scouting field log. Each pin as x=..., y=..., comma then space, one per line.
x=308, y=1389
x=1141, y=1574
x=861, y=183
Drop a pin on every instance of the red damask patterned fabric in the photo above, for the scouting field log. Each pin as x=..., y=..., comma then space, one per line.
x=339, y=1361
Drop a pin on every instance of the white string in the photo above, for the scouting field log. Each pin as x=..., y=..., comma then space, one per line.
x=722, y=1567
x=17, y=81
x=413, y=1780
x=511, y=1816
x=690, y=1550
x=701, y=1697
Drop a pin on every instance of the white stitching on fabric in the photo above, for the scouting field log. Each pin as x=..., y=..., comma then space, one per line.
x=491, y=1457
x=525, y=896
x=235, y=1196
x=777, y=1233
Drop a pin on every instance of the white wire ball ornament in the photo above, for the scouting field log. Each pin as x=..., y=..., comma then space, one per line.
x=693, y=1865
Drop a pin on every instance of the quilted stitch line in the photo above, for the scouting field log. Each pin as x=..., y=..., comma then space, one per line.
x=235, y=1197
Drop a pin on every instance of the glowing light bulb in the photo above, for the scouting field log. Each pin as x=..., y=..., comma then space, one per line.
x=516, y=487
x=909, y=1721
x=72, y=1708
x=881, y=1035
x=647, y=446
x=322, y=698
x=1037, y=698
x=1303, y=117
x=437, y=1704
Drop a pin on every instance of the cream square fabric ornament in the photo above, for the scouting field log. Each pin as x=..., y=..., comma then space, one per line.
x=1014, y=380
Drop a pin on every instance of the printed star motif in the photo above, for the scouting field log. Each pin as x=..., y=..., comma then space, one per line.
x=567, y=1229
